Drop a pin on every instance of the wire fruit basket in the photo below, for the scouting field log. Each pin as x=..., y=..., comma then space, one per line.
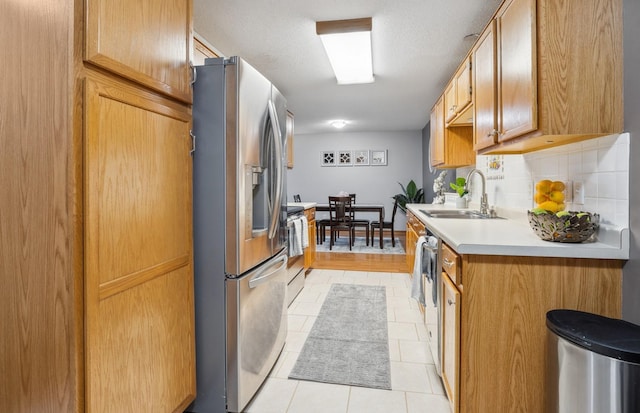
x=571, y=226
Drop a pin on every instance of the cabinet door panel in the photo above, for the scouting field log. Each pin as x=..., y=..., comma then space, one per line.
x=147, y=41
x=463, y=86
x=517, y=98
x=450, y=102
x=484, y=89
x=451, y=340
x=437, y=134
x=138, y=251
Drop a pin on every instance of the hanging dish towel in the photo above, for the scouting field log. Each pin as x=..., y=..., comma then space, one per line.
x=305, y=231
x=430, y=265
x=417, y=290
x=298, y=236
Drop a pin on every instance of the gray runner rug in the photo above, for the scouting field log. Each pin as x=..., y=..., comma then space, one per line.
x=349, y=342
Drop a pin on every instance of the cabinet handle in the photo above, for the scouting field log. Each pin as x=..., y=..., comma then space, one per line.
x=446, y=262
x=194, y=74
x=492, y=133
x=450, y=302
x=193, y=142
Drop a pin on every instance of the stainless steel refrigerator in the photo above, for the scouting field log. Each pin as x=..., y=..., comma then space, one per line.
x=240, y=244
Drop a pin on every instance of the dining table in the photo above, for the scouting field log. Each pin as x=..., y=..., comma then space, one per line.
x=379, y=208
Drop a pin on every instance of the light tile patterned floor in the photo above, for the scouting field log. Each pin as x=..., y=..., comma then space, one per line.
x=416, y=387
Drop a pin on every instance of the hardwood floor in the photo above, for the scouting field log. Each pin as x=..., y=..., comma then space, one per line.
x=363, y=262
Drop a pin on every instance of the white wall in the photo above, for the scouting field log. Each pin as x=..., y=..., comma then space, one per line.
x=371, y=184
x=602, y=164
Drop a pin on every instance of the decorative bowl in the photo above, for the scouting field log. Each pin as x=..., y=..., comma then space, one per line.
x=571, y=227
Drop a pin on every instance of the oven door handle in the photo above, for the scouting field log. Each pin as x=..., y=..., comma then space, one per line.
x=263, y=276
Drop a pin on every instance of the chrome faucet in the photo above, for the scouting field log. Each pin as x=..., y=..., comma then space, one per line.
x=484, y=203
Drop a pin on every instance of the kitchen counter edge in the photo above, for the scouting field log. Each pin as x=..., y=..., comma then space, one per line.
x=305, y=205
x=513, y=236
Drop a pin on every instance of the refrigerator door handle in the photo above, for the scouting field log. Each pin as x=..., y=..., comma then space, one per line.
x=275, y=211
x=261, y=277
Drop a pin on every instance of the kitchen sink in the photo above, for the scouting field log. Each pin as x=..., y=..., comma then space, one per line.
x=457, y=214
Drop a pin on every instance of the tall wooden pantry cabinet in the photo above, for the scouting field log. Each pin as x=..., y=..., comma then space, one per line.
x=96, y=266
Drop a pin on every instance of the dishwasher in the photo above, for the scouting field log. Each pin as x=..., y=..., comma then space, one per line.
x=295, y=265
x=431, y=272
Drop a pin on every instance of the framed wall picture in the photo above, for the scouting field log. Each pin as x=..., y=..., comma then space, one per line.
x=345, y=158
x=361, y=157
x=378, y=157
x=328, y=158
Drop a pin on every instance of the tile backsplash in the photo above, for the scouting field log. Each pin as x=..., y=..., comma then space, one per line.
x=601, y=164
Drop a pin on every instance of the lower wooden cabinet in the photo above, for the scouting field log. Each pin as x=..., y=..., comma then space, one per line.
x=494, y=331
x=451, y=340
x=415, y=229
x=139, y=306
x=96, y=284
x=310, y=252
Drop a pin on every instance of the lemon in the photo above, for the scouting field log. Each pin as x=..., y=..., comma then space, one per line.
x=539, y=197
x=549, y=206
x=556, y=196
x=544, y=186
x=557, y=186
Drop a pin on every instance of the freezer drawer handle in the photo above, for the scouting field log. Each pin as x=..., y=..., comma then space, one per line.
x=261, y=277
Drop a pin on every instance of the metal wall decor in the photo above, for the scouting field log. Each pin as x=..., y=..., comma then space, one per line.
x=379, y=157
x=328, y=158
x=344, y=158
x=359, y=157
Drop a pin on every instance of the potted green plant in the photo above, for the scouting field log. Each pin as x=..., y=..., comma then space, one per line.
x=459, y=187
x=410, y=195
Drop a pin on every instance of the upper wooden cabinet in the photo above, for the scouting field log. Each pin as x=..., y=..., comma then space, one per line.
x=557, y=76
x=146, y=41
x=517, y=92
x=457, y=96
x=450, y=147
x=436, y=143
x=484, y=89
x=290, y=125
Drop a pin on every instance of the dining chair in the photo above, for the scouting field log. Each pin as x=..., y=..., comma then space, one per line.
x=340, y=218
x=321, y=229
x=364, y=223
x=385, y=225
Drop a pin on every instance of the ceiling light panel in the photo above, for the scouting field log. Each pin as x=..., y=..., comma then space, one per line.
x=348, y=46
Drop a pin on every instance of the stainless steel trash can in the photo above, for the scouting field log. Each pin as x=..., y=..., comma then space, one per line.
x=593, y=364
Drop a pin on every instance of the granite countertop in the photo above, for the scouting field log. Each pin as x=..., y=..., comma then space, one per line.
x=513, y=236
x=305, y=205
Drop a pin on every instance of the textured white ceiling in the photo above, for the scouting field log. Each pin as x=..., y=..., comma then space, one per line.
x=417, y=45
